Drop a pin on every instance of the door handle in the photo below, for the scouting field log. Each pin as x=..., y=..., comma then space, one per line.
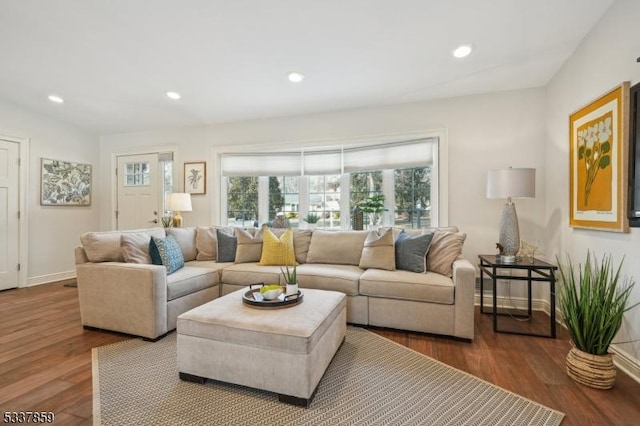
x=154, y=221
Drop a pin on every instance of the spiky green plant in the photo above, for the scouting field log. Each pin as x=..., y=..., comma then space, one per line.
x=592, y=302
x=290, y=277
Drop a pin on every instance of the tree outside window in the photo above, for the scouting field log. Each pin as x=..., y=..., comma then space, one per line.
x=412, y=197
x=242, y=201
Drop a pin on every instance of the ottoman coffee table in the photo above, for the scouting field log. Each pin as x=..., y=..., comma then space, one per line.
x=285, y=351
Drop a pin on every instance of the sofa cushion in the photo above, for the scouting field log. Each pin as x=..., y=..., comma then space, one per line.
x=206, y=243
x=411, y=252
x=166, y=251
x=301, y=241
x=227, y=245
x=445, y=247
x=104, y=246
x=429, y=287
x=135, y=247
x=245, y=274
x=186, y=239
x=336, y=247
x=249, y=245
x=189, y=280
x=342, y=278
x=378, y=251
x=277, y=250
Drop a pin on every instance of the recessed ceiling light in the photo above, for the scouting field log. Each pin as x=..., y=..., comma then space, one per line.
x=173, y=95
x=55, y=98
x=463, y=51
x=295, y=77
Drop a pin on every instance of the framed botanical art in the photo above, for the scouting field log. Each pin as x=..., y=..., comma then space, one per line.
x=64, y=183
x=195, y=178
x=598, y=135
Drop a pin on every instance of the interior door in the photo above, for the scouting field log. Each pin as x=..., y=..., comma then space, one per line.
x=138, y=192
x=9, y=214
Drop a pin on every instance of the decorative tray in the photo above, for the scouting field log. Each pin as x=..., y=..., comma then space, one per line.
x=254, y=299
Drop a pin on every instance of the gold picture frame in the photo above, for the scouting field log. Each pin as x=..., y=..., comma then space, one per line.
x=195, y=178
x=598, y=155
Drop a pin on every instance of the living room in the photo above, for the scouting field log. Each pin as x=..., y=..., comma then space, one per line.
x=487, y=128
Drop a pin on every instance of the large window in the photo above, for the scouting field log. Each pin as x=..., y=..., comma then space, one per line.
x=364, y=185
x=324, y=200
x=284, y=199
x=412, y=193
x=327, y=184
x=242, y=201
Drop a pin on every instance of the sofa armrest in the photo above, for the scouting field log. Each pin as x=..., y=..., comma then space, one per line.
x=464, y=280
x=125, y=297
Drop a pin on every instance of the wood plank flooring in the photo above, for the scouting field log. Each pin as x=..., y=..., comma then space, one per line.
x=45, y=362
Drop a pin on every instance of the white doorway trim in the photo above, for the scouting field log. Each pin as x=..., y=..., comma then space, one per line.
x=23, y=251
x=114, y=178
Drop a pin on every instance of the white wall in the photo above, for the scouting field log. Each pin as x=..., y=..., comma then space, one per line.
x=603, y=60
x=53, y=231
x=484, y=132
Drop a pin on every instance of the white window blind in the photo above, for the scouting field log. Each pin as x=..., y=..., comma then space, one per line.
x=417, y=153
x=262, y=164
x=330, y=161
x=327, y=162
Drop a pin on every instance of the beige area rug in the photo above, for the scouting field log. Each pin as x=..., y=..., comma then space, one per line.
x=371, y=381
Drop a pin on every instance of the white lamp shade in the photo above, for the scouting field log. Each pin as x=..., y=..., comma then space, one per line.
x=511, y=183
x=179, y=201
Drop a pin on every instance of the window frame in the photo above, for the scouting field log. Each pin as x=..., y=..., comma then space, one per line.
x=439, y=177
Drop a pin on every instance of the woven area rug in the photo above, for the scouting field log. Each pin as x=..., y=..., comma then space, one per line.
x=371, y=381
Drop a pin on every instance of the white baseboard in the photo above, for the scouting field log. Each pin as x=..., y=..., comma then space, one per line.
x=50, y=278
x=622, y=359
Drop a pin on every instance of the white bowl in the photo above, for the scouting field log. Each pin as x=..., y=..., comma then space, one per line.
x=272, y=294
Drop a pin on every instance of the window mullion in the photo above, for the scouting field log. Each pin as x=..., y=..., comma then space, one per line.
x=303, y=197
x=263, y=199
x=345, y=201
x=388, y=189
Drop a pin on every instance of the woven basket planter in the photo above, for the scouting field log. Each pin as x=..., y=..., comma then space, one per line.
x=596, y=371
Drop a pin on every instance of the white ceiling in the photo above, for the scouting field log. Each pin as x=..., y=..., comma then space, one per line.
x=113, y=60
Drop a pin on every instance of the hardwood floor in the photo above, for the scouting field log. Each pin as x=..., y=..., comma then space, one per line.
x=45, y=362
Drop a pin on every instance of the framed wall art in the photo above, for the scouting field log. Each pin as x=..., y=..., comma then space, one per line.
x=64, y=183
x=195, y=178
x=598, y=152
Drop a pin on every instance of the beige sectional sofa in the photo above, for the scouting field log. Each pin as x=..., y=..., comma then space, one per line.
x=142, y=299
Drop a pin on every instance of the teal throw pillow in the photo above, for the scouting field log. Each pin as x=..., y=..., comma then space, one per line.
x=167, y=252
x=411, y=252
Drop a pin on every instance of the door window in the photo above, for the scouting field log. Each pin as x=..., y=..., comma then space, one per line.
x=137, y=174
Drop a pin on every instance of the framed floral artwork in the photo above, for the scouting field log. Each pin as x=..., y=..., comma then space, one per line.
x=195, y=178
x=63, y=183
x=598, y=152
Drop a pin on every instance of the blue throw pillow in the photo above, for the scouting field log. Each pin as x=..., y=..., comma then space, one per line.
x=411, y=252
x=227, y=245
x=167, y=252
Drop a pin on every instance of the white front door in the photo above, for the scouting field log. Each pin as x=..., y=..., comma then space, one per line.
x=138, y=192
x=9, y=214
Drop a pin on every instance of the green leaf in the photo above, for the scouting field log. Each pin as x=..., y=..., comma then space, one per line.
x=604, y=162
x=581, y=152
x=606, y=147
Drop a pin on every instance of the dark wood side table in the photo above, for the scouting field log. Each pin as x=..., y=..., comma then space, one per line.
x=537, y=271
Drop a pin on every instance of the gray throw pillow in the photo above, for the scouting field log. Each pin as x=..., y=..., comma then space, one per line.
x=227, y=245
x=411, y=252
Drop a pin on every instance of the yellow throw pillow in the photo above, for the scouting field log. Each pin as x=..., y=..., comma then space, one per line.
x=277, y=251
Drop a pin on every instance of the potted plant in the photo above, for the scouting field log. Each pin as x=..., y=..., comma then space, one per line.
x=312, y=219
x=373, y=206
x=592, y=301
x=167, y=221
x=291, y=279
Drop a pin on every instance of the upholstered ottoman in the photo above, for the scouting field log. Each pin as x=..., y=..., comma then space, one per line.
x=285, y=351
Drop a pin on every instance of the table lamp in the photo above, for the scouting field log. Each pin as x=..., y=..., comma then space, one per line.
x=178, y=202
x=510, y=183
